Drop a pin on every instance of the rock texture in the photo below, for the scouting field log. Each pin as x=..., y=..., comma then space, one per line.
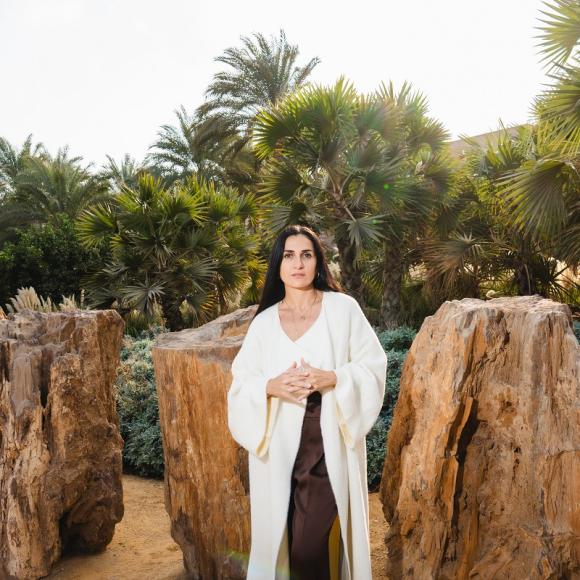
x=482, y=477
x=206, y=472
x=60, y=448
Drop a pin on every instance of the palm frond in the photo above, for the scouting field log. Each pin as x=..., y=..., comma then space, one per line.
x=560, y=31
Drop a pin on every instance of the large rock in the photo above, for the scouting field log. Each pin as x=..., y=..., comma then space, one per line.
x=482, y=477
x=206, y=472
x=60, y=448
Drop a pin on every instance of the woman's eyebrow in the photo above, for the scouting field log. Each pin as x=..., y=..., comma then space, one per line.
x=292, y=251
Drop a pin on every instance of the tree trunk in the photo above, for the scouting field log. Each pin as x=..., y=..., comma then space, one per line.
x=206, y=473
x=484, y=446
x=351, y=278
x=60, y=446
x=526, y=283
x=171, y=313
x=392, y=280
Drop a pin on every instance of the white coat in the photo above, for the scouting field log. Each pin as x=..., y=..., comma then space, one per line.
x=270, y=429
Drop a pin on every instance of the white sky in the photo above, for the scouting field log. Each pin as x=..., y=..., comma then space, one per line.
x=103, y=75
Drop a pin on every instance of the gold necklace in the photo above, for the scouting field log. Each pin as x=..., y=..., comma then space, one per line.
x=302, y=315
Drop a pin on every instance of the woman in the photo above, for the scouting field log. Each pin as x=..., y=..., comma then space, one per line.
x=308, y=384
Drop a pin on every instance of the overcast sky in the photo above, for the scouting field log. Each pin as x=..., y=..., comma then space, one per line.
x=103, y=75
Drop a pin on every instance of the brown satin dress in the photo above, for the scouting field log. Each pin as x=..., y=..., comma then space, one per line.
x=314, y=541
x=313, y=531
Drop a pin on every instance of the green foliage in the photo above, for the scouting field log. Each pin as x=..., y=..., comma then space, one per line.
x=396, y=343
x=181, y=246
x=479, y=243
x=376, y=449
x=139, y=325
x=370, y=169
x=259, y=74
x=138, y=409
x=399, y=338
x=48, y=257
x=37, y=188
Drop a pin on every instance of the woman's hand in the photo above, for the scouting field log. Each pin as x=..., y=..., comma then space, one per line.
x=315, y=379
x=289, y=385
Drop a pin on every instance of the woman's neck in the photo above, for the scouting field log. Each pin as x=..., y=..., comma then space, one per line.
x=300, y=298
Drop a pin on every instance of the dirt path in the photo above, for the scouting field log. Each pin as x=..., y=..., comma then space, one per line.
x=143, y=548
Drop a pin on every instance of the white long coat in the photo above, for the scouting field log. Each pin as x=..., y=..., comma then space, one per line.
x=270, y=429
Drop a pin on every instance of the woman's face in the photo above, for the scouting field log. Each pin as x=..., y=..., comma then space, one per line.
x=298, y=266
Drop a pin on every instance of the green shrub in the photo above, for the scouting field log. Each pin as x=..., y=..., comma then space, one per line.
x=48, y=257
x=397, y=339
x=376, y=442
x=396, y=343
x=138, y=408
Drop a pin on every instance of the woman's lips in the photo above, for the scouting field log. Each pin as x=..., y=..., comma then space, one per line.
x=298, y=275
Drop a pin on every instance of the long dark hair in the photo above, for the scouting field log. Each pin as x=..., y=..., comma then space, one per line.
x=274, y=287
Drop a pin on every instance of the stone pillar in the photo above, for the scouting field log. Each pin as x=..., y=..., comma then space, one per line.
x=206, y=472
x=482, y=476
x=60, y=448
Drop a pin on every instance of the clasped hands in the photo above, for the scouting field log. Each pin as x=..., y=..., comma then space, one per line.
x=297, y=382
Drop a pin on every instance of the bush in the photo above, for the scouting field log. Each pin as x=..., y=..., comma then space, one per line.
x=138, y=408
x=396, y=343
x=48, y=257
x=376, y=449
x=397, y=339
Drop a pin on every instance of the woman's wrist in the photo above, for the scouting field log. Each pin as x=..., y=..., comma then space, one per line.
x=332, y=378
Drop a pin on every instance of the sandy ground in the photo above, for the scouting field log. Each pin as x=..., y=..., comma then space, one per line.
x=143, y=548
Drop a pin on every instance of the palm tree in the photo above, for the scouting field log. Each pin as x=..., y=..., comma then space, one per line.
x=325, y=148
x=180, y=151
x=124, y=173
x=189, y=148
x=49, y=186
x=261, y=73
x=475, y=245
x=544, y=192
x=12, y=162
x=43, y=187
x=409, y=206
x=185, y=248
x=366, y=167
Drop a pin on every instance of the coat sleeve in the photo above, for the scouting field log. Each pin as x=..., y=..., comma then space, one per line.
x=360, y=385
x=250, y=411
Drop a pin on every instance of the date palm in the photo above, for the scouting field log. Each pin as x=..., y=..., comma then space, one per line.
x=124, y=173
x=259, y=74
x=190, y=148
x=44, y=187
x=12, y=162
x=60, y=184
x=180, y=151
